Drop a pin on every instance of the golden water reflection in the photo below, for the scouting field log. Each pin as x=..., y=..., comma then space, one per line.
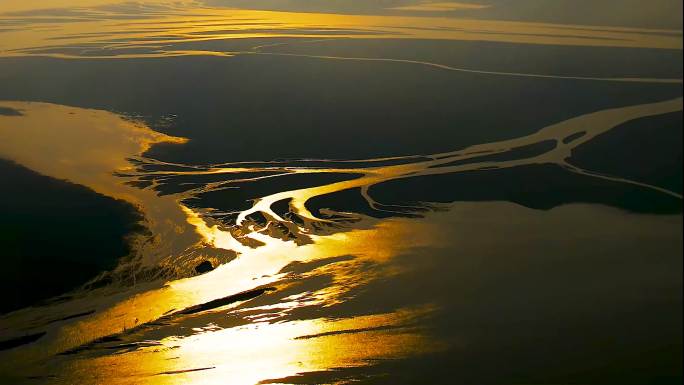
x=246, y=342
x=260, y=351
x=157, y=331
x=156, y=30
x=90, y=147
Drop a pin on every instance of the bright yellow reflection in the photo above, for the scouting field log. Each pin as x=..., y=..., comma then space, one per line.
x=261, y=351
x=88, y=147
x=101, y=32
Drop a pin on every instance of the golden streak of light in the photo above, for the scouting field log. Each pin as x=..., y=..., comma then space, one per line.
x=154, y=33
x=261, y=351
x=87, y=146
